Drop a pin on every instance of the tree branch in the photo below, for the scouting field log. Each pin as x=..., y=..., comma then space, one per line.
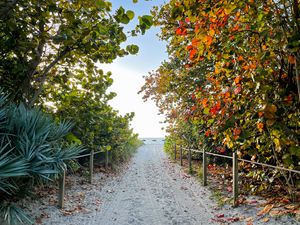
x=45, y=72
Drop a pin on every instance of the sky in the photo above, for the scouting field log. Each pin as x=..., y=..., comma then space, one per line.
x=128, y=73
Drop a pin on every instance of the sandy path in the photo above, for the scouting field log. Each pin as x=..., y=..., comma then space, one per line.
x=153, y=192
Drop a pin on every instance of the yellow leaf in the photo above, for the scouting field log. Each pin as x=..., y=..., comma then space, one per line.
x=229, y=9
x=277, y=143
x=265, y=210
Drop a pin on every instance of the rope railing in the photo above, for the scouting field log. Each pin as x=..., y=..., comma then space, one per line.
x=88, y=154
x=235, y=168
x=271, y=166
x=62, y=178
x=244, y=160
x=219, y=155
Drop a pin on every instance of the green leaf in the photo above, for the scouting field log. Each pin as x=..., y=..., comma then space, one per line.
x=147, y=20
x=287, y=159
x=295, y=150
x=125, y=19
x=206, y=111
x=132, y=49
x=101, y=4
x=130, y=14
x=211, y=121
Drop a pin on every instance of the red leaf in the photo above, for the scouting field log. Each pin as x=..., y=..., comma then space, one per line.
x=178, y=31
x=220, y=215
x=207, y=133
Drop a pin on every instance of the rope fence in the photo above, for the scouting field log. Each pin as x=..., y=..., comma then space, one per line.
x=62, y=177
x=235, y=167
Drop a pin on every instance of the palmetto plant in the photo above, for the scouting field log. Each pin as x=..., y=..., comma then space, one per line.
x=32, y=151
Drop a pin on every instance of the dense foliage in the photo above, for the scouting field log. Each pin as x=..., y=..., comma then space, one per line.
x=232, y=80
x=41, y=40
x=98, y=126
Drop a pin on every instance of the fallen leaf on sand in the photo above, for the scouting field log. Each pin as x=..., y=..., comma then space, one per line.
x=266, y=219
x=98, y=202
x=220, y=215
x=265, y=210
x=292, y=207
x=249, y=221
x=233, y=219
x=275, y=213
x=251, y=201
x=284, y=200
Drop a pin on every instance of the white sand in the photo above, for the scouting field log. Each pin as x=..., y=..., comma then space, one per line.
x=152, y=191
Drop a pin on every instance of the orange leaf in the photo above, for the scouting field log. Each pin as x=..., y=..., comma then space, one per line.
x=204, y=102
x=193, y=53
x=195, y=42
x=260, y=126
x=189, y=47
x=292, y=59
x=235, y=28
x=237, y=131
x=218, y=105
x=227, y=94
x=196, y=28
x=209, y=40
x=252, y=66
x=237, y=80
x=212, y=32
x=265, y=210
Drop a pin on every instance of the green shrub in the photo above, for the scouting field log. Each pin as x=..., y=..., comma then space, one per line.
x=32, y=152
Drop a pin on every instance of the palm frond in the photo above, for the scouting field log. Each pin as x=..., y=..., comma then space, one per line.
x=13, y=215
x=31, y=152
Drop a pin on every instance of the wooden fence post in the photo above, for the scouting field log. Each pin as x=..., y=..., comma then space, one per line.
x=106, y=159
x=235, y=182
x=91, y=167
x=180, y=148
x=175, y=152
x=190, y=161
x=61, y=191
x=204, y=168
